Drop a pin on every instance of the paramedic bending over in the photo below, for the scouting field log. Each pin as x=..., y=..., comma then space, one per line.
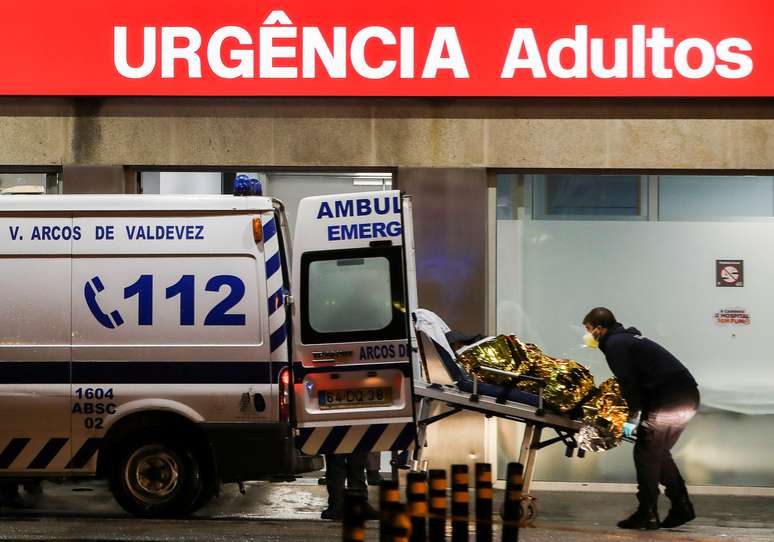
x=662, y=391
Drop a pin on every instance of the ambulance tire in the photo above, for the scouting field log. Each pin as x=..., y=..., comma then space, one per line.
x=157, y=477
x=205, y=496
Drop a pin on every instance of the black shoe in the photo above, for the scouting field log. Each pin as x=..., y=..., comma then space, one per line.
x=373, y=477
x=332, y=513
x=681, y=512
x=322, y=481
x=642, y=519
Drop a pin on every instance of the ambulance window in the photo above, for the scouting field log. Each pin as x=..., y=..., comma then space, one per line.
x=352, y=295
x=349, y=294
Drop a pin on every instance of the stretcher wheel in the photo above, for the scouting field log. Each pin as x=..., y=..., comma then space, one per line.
x=529, y=511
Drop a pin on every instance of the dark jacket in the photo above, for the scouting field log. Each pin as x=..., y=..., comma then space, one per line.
x=648, y=374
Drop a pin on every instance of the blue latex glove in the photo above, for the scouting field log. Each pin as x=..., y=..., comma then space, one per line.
x=628, y=429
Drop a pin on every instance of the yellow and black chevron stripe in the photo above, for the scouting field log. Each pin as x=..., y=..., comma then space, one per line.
x=16, y=454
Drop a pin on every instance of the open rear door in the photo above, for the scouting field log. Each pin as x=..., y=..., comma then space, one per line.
x=352, y=370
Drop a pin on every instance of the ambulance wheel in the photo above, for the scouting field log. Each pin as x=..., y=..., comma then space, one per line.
x=207, y=493
x=156, y=478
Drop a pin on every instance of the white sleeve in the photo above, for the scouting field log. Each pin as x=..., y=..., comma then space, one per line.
x=434, y=327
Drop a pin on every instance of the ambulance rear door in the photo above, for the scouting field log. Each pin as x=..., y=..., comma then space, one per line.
x=352, y=372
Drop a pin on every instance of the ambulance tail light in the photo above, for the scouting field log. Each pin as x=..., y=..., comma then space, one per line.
x=257, y=230
x=284, y=394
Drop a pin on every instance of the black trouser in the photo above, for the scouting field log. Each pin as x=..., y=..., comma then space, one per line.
x=341, y=468
x=660, y=427
x=374, y=462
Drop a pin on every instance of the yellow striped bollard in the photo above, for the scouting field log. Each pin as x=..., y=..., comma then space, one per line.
x=353, y=525
x=460, y=507
x=483, y=502
x=416, y=499
x=437, y=519
x=389, y=499
x=514, y=485
x=398, y=525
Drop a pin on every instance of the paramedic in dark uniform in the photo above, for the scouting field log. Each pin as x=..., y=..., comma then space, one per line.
x=664, y=393
x=345, y=470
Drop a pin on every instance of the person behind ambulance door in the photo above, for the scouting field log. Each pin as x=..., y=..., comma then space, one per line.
x=664, y=394
x=373, y=476
x=345, y=470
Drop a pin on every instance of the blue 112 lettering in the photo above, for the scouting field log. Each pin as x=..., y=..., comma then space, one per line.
x=184, y=288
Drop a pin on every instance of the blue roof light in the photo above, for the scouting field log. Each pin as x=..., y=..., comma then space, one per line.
x=242, y=185
x=256, y=187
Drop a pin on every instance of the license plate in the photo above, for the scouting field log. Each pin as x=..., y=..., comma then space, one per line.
x=352, y=398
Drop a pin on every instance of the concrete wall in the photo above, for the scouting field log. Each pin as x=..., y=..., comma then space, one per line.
x=529, y=133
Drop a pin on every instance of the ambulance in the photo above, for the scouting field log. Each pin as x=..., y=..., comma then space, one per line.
x=170, y=344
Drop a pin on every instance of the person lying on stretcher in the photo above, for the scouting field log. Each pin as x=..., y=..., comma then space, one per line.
x=464, y=381
x=566, y=386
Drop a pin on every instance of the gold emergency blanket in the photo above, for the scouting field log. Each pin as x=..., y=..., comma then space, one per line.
x=567, y=385
x=604, y=415
x=567, y=382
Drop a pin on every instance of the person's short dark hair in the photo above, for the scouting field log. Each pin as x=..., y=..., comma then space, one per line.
x=454, y=336
x=600, y=316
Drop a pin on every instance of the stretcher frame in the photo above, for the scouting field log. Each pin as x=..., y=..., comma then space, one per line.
x=536, y=419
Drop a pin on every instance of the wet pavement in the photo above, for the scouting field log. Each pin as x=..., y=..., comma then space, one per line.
x=290, y=511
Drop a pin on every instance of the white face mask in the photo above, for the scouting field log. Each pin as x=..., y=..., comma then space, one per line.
x=590, y=341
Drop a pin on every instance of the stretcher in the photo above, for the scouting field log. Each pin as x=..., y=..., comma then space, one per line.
x=463, y=393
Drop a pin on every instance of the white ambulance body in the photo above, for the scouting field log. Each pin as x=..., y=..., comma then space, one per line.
x=146, y=339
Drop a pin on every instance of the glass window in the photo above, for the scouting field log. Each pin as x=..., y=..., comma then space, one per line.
x=29, y=183
x=694, y=197
x=351, y=294
x=181, y=182
x=660, y=276
x=509, y=187
x=597, y=196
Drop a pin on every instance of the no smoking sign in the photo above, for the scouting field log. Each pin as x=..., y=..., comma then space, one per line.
x=729, y=273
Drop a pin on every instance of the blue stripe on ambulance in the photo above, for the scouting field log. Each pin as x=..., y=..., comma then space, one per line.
x=138, y=372
x=12, y=451
x=333, y=440
x=373, y=434
x=356, y=438
x=269, y=229
x=275, y=287
x=272, y=265
x=48, y=452
x=84, y=454
x=35, y=372
x=303, y=436
x=275, y=301
x=277, y=339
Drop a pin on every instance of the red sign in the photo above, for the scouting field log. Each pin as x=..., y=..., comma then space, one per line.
x=733, y=317
x=388, y=48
